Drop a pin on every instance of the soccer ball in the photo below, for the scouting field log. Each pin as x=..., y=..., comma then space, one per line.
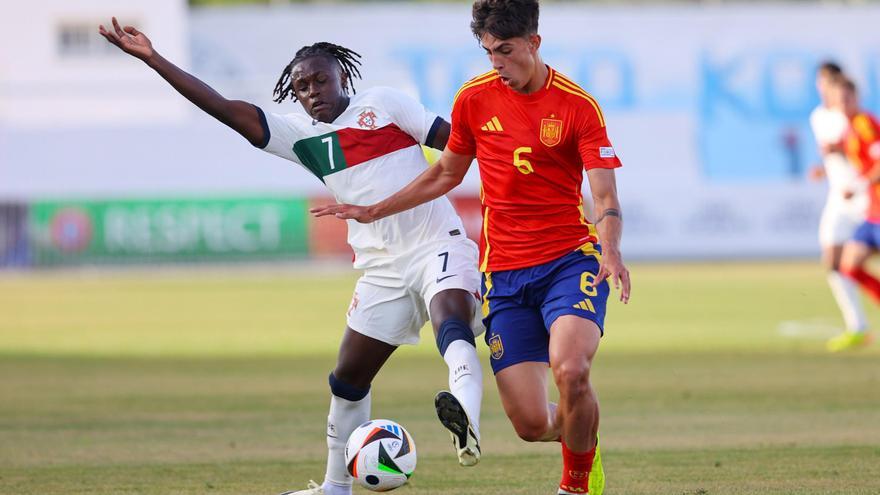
x=380, y=455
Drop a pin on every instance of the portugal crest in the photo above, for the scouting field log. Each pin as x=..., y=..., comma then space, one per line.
x=367, y=120
x=551, y=132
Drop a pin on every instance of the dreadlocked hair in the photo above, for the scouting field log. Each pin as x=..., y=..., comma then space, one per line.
x=348, y=60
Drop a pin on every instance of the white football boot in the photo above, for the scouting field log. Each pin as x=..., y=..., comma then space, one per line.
x=313, y=489
x=464, y=438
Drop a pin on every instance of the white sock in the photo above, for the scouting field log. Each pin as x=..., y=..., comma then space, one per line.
x=846, y=294
x=466, y=378
x=343, y=418
x=331, y=488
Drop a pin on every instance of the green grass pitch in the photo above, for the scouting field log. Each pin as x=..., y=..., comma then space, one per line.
x=712, y=381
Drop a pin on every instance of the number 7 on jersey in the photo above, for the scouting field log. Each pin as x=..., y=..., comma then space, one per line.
x=329, y=141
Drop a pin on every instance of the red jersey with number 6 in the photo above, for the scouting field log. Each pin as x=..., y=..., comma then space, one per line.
x=531, y=150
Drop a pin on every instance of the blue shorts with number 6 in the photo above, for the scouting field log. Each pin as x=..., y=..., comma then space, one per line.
x=519, y=306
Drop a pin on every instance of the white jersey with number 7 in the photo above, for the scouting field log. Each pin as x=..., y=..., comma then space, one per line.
x=372, y=150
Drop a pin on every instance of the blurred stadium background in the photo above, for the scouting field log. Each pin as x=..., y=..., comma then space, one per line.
x=169, y=311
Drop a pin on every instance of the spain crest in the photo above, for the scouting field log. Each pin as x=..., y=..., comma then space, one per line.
x=495, y=347
x=551, y=132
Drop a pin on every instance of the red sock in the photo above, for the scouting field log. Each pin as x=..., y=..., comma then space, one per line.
x=576, y=467
x=868, y=282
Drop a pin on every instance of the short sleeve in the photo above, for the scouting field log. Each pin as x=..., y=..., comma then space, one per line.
x=461, y=139
x=281, y=133
x=410, y=115
x=594, y=146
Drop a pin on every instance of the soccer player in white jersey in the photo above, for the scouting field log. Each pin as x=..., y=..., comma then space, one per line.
x=417, y=264
x=847, y=200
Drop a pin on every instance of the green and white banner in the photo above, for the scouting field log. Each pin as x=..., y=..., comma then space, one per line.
x=74, y=232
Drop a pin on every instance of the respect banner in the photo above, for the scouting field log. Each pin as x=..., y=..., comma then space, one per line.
x=167, y=230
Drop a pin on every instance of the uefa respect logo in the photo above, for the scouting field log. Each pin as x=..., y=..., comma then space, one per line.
x=71, y=230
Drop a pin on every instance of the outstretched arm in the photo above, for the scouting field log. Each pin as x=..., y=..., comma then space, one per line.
x=241, y=116
x=438, y=180
x=609, y=223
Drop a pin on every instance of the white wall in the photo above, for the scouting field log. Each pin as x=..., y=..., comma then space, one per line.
x=42, y=86
x=700, y=103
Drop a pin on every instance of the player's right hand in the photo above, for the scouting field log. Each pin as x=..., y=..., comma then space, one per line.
x=344, y=212
x=129, y=40
x=612, y=268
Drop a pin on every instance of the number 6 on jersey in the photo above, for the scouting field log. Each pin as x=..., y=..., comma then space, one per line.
x=521, y=164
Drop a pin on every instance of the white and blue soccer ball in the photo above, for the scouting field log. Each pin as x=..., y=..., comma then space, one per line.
x=380, y=455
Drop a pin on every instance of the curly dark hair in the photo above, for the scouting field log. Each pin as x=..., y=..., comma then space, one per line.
x=348, y=61
x=505, y=19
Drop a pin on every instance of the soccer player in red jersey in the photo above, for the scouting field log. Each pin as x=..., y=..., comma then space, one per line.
x=533, y=132
x=862, y=148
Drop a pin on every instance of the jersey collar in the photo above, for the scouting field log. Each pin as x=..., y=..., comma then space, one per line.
x=537, y=95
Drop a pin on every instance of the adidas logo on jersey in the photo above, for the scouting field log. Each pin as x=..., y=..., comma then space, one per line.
x=493, y=125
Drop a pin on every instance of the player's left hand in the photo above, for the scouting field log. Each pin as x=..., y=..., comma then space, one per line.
x=344, y=212
x=612, y=267
x=128, y=39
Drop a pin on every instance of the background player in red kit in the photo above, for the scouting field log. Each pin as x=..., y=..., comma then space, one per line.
x=862, y=148
x=533, y=132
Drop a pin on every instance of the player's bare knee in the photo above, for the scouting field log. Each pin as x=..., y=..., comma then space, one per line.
x=531, y=428
x=450, y=304
x=572, y=376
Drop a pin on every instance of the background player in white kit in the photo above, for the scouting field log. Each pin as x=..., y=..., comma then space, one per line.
x=416, y=264
x=847, y=199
